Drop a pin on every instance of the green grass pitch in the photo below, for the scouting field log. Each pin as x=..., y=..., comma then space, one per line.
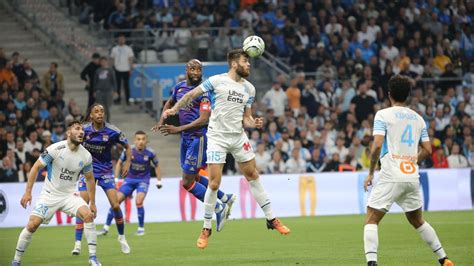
x=321, y=240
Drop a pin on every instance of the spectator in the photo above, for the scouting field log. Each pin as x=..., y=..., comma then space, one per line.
x=294, y=96
x=28, y=74
x=333, y=164
x=33, y=143
x=105, y=83
x=53, y=81
x=441, y=60
x=88, y=74
x=316, y=164
x=7, y=172
x=276, y=165
x=340, y=149
x=262, y=158
x=362, y=104
x=123, y=56
x=439, y=159
x=276, y=99
x=58, y=134
x=295, y=164
x=455, y=159
x=7, y=76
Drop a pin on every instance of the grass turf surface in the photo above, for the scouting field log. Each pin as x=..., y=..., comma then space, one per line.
x=322, y=240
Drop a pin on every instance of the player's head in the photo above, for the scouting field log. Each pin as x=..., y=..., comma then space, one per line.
x=75, y=132
x=194, y=72
x=238, y=61
x=399, y=88
x=140, y=139
x=95, y=113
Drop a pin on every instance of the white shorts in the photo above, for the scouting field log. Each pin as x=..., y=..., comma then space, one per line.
x=406, y=194
x=237, y=144
x=47, y=205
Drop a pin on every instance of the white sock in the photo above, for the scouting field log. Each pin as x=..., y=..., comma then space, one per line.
x=371, y=242
x=91, y=236
x=121, y=237
x=210, y=199
x=428, y=234
x=23, y=241
x=261, y=198
x=106, y=227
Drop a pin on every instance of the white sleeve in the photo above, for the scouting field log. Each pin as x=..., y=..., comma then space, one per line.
x=208, y=84
x=49, y=154
x=113, y=52
x=130, y=53
x=251, y=97
x=380, y=125
x=424, y=133
x=88, y=164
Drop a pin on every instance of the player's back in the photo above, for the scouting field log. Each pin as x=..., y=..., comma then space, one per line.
x=403, y=129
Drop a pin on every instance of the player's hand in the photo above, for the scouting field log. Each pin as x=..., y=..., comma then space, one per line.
x=368, y=182
x=159, y=185
x=125, y=168
x=259, y=122
x=93, y=209
x=25, y=200
x=157, y=127
x=169, y=129
x=168, y=113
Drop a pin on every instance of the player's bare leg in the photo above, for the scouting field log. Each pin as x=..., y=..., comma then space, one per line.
x=371, y=238
x=118, y=216
x=25, y=237
x=210, y=199
x=110, y=216
x=89, y=228
x=80, y=226
x=141, y=213
x=428, y=235
x=249, y=169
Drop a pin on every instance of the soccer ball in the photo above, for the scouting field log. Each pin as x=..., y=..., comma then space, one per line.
x=254, y=46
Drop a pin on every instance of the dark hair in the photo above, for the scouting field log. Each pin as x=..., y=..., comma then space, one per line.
x=235, y=54
x=55, y=64
x=103, y=58
x=73, y=123
x=399, y=88
x=140, y=132
x=87, y=116
x=95, y=55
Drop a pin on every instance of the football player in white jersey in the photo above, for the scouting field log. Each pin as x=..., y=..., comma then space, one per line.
x=231, y=97
x=398, y=131
x=65, y=160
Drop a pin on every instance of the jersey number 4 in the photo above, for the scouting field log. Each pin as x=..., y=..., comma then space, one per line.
x=407, y=136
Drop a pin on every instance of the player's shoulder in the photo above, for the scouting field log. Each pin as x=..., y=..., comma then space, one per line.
x=84, y=151
x=112, y=128
x=219, y=77
x=60, y=145
x=248, y=85
x=180, y=84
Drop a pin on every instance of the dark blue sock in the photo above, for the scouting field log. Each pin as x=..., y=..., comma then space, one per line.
x=204, y=181
x=141, y=216
x=79, y=229
x=199, y=191
x=110, y=216
x=119, y=221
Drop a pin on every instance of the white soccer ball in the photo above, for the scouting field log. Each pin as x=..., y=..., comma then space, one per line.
x=254, y=46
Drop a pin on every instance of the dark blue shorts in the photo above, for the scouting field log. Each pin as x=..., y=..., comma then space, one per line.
x=193, y=154
x=132, y=184
x=106, y=182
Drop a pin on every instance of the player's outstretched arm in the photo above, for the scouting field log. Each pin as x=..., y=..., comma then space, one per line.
x=201, y=121
x=249, y=121
x=425, y=151
x=90, y=182
x=26, y=199
x=169, y=103
x=374, y=158
x=118, y=168
x=185, y=101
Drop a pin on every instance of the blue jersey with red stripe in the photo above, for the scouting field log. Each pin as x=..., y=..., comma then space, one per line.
x=99, y=143
x=190, y=113
x=141, y=163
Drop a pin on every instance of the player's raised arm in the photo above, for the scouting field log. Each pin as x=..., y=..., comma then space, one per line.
x=201, y=121
x=26, y=199
x=169, y=104
x=185, y=101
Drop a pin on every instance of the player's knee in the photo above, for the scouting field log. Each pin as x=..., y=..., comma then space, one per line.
x=252, y=175
x=88, y=217
x=188, y=181
x=115, y=206
x=416, y=222
x=213, y=185
x=32, y=227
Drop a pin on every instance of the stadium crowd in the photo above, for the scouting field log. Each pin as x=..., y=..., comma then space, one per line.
x=320, y=119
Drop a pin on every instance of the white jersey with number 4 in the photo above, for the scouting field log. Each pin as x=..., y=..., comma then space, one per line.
x=64, y=167
x=403, y=129
x=228, y=101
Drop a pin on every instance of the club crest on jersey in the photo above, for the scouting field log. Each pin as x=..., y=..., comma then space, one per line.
x=145, y=158
x=81, y=164
x=88, y=137
x=247, y=146
x=105, y=137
